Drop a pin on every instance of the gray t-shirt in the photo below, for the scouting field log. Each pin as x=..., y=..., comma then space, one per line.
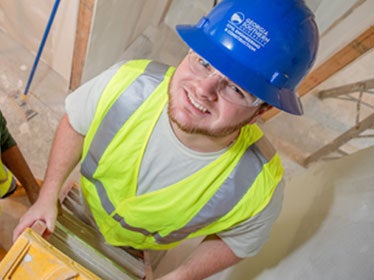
x=167, y=161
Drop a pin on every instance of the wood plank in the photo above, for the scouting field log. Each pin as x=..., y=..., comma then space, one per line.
x=346, y=89
x=355, y=131
x=363, y=43
x=32, y=257
x=81, y=42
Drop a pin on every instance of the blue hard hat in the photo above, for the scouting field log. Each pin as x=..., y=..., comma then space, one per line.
x=265, y=46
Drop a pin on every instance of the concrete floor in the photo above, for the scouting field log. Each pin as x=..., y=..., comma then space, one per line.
x=322, y=121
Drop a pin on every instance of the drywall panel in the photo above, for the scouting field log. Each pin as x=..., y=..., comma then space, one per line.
x=153, y=13
x=313, y=4
x=115, y=25
x=345, y=29
x=25, y=21
x=111, y=30
x=187, y=12
x=328, y=12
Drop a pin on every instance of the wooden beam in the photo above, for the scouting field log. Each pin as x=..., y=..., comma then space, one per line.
x=346, y=89
x=82, y=35
x=342, y=58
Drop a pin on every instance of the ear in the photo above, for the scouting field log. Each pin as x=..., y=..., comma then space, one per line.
x=262, y=109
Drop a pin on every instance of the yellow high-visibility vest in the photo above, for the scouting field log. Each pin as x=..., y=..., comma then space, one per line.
x=229, y=190
x=6, y=180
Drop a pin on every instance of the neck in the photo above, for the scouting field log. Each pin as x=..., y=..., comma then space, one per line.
x=204, y=143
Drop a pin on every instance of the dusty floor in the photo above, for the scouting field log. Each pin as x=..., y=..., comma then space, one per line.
x=48, y=91
x=33, y=136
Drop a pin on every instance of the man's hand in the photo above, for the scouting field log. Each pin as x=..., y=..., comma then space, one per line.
x=65, y=154
x=16, y=163
x=41, y=210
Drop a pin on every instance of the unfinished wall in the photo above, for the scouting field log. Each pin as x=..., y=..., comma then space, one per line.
x=325, y=228
x=25, y=21
x=115, y=24
x=177, y=13
x=340, y=22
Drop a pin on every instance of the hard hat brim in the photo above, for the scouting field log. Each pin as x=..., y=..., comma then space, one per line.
x=219, y=57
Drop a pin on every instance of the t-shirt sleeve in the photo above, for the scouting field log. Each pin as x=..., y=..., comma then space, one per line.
x=247, y=238
x=80, y=105
x=6, y=139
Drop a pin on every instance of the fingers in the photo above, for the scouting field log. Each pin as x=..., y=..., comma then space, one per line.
x=39, y=227
x=22, y=225
x=42, y=228
x=36, y=218
x=50, y=229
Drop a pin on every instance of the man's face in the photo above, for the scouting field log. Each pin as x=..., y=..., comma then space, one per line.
x=196, y=107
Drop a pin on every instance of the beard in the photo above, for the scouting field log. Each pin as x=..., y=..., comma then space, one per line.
x=195, y=129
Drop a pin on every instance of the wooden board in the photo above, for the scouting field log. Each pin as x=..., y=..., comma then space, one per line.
x=81, y=41
x=32, y=257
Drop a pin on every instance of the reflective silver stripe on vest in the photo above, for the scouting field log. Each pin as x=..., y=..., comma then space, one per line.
x=226, y=197
x=126, y=104
x=222, y=202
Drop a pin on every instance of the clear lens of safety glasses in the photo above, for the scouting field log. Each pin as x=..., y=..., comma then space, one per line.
x=227, y=89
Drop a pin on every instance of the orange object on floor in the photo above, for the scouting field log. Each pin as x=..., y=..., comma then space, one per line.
x=2, y=253
x=32, y=257
x=20, y=191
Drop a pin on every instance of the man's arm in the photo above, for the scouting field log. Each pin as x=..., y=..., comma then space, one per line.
x=16, y=163
x=246, y=239
x=210, y=257
x=65, y=155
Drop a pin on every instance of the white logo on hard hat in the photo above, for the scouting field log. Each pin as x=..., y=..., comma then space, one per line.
x=247, y=31
x=237, y=18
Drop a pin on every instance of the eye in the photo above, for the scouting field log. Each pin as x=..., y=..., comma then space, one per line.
x=204, y=63
x=235, y=90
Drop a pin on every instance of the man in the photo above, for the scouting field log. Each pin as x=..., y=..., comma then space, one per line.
x=12, y=166
x=169, y=154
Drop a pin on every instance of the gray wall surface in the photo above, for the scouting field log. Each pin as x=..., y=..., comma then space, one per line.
x=325, y=230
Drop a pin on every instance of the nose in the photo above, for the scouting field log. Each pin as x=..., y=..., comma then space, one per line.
x=207, y=88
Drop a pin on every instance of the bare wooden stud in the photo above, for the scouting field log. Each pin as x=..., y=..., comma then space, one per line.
x=346, y=89
x=355, y=131
x=81, y=42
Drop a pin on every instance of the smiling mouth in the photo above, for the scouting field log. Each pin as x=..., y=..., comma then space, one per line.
x=196, y=105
